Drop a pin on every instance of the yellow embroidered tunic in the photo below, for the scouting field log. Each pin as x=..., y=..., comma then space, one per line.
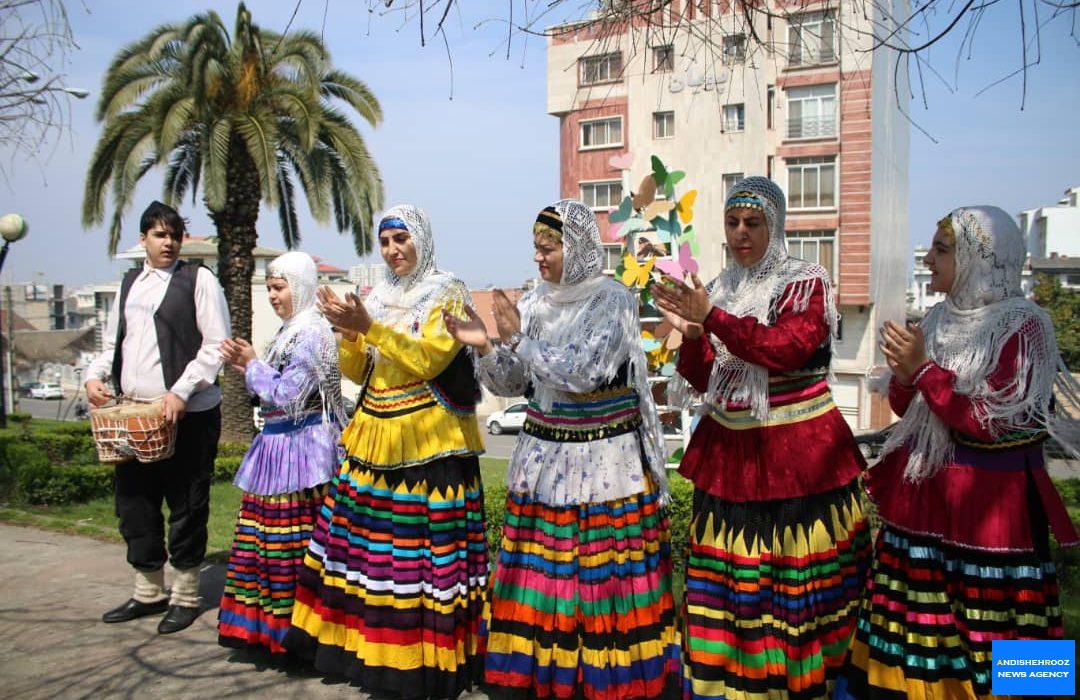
x=406, y=416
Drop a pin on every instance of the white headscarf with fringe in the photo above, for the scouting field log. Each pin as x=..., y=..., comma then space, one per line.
x=966, y=333
x=758, y=291
x=306, y=329
x=404, y=303
x=583, y=304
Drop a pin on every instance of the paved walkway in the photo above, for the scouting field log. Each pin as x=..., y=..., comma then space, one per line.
x=53, y=644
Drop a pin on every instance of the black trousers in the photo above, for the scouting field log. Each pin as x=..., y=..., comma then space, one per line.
x=183, y=483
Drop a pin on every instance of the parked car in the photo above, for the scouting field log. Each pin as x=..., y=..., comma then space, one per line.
x=46, y=391
x=23, y=389
x=510, y=418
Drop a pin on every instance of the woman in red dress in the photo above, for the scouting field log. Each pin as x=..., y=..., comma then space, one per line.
x=778, y=542
x=962, y=492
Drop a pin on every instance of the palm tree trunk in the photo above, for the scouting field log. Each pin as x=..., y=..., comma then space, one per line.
x=236, y=266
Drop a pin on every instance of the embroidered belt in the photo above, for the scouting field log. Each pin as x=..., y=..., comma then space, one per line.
x=594, y=416
x=1010, y=441
x=288, y=426
x=791, y=400
x=397, y=400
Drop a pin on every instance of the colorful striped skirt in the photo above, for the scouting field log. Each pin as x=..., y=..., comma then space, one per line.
x=772, y=590
x=268, y=548
x=581, y=605
x=393, y=586
x=932, y=611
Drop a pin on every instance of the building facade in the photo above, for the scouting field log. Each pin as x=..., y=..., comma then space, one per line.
x=820, y=117
x=1053, y=231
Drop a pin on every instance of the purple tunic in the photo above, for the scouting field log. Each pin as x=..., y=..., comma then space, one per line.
x=288, y=456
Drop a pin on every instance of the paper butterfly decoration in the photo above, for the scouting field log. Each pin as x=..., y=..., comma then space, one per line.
x=686, y=206
x=636, y=274
x=680, y=267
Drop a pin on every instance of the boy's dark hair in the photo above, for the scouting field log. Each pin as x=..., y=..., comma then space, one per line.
x=158, y=213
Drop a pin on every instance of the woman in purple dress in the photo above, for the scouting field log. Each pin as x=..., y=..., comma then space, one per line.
x=285, y=473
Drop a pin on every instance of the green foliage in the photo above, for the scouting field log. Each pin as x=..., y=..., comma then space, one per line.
x=232, y=449
x=495, y=514
x=225, y=468
x=679, y=513
x=216, y=110
x=1063, y=305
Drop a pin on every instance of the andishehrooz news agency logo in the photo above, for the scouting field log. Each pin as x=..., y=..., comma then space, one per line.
x=1033, y=667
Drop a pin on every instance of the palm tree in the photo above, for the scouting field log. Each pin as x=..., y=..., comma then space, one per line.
x=246, y=117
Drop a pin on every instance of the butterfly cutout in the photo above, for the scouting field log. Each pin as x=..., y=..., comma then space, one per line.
x=658, y=208
x=668, y=228
x=648, y=342
x=623, y=213
x=646, y=193
x=672, y=337
x=628, y=227
x=688, y=236
x=621, y=162
x=686, y=206
x=665, y=179
x=636, y=274
x=682, y=266
x=668, y=370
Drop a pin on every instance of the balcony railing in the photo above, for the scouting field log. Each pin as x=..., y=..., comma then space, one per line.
x=811, y=127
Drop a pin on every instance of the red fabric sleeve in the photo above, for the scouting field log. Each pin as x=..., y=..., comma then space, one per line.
x=900, y=396
x=695, y=362
x=959, y=411
x=784, y=346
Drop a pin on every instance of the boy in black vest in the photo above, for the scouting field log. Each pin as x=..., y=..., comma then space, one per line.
x=162, y=339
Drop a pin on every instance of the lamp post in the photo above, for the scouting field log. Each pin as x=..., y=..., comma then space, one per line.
x=12, y=227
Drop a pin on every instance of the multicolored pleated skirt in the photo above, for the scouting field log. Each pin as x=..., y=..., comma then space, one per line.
x=393, y=586
x=268, y=549
x=581, y=605
x=932, y=611
x=772, y=590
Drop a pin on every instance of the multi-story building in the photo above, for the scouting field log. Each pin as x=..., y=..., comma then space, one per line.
x=819, y=116
x=1053, y=231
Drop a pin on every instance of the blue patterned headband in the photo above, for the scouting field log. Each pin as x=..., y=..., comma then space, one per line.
x=744, y=200
x=392, y=222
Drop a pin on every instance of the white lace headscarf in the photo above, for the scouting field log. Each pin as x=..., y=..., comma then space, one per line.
x=758, y=291
x=306, y=337
x=966, y=333
x=579, y=306
x=404, y=303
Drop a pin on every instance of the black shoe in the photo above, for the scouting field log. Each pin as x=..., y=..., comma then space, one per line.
x=178, y=618
x=133, y=609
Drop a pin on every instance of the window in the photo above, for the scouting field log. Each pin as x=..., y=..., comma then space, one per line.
x=663, y=59
x=734, y=118
x=516, y=408
x=613, y=255
x=730, y=180
x=812, y=39
x=813, y=246
x=811, y=182
x=769, y=167
x=601, y=195
x=601, y=133
x=811, y=111
x=770, y=106
x=734, y=49
x=663, y=125
x=595, y=70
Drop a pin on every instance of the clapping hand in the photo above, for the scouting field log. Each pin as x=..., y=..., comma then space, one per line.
x=904, y=349
x=470, y=332
x=689, y=303
x=237, y=353
x=507, y=316
x=348, y=315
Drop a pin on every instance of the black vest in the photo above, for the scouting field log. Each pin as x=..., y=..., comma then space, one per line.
x=178, y=335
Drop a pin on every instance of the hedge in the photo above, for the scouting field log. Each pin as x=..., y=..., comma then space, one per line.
x=50, y=463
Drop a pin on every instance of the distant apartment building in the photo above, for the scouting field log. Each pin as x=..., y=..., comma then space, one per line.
x=819, y=116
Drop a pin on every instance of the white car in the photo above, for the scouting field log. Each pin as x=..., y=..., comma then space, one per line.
x=46, y=391
x=511, y=418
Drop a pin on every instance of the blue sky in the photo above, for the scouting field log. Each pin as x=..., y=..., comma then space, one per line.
x=485, y=161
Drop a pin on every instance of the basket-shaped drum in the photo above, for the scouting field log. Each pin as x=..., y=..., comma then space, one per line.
x=133, y=430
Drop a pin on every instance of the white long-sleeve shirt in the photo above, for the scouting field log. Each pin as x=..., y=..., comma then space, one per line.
x=141, y=375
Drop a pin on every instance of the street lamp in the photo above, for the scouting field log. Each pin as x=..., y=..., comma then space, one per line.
x=13, y=228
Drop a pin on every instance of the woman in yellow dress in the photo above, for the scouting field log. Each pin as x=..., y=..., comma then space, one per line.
x=392, y=588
